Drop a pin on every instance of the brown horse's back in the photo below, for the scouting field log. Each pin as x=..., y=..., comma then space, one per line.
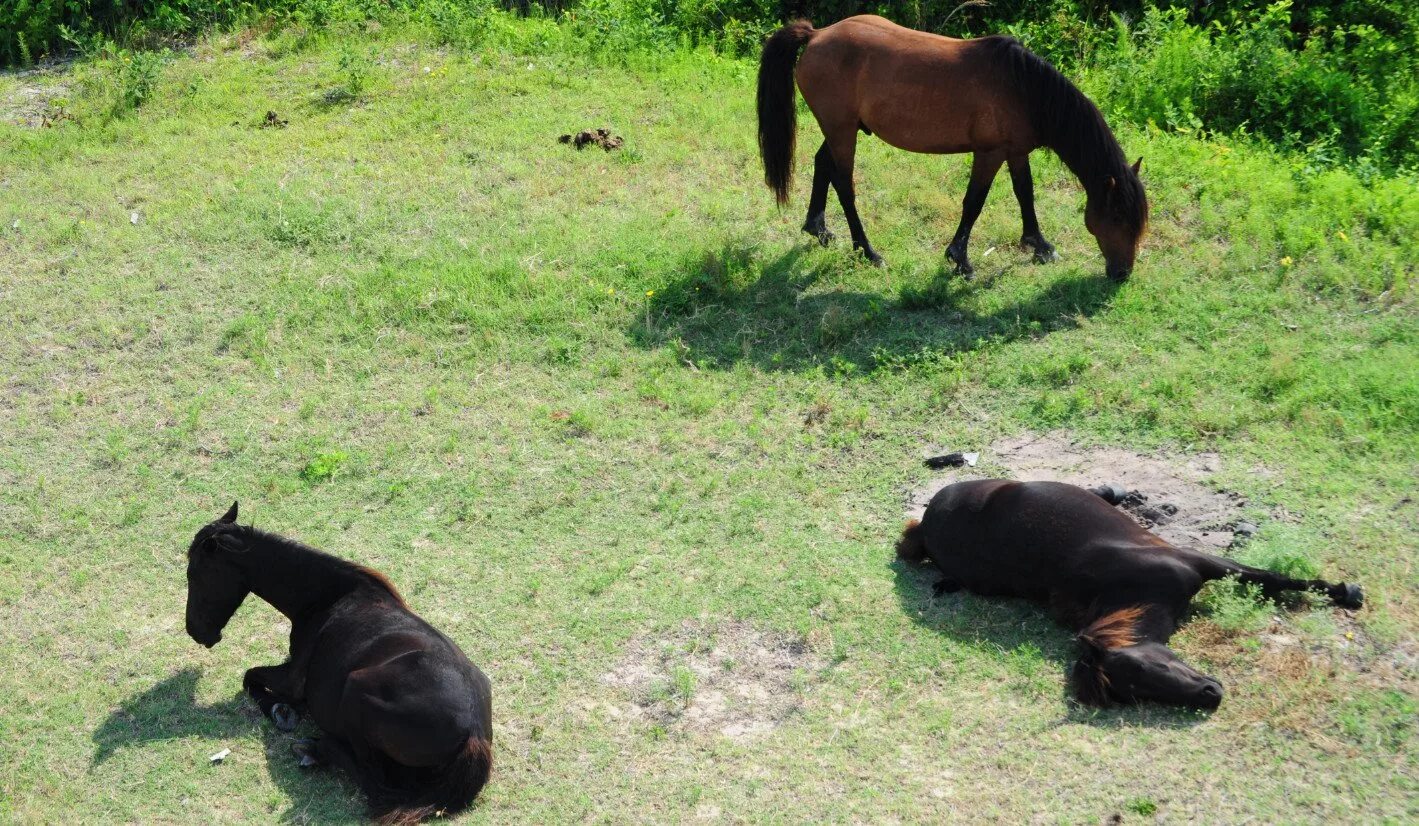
x=917, y=91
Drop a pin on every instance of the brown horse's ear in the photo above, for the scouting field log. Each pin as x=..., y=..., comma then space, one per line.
x=1138, y=164
x=230, y=515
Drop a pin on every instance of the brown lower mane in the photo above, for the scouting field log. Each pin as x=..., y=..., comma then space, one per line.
x=1117, y=629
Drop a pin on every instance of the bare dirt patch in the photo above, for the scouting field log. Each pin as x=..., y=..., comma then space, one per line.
x=731, y=679
x=37, y=96
x=1167, y=495
x=601, y=137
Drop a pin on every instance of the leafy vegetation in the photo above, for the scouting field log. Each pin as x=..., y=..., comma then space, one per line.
x=568, y=400
x=1337, y=79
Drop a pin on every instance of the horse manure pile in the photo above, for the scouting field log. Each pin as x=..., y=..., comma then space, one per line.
x=601, y=137
x=731, y=679
x=1164, y=495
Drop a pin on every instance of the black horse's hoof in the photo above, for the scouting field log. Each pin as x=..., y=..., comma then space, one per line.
x=1111, y=493
x=820, y=232
x=304, y=750
x=1044, y=250
x=1046, y=256
x=285, y=717
x=1347, y=596
x=873, y=258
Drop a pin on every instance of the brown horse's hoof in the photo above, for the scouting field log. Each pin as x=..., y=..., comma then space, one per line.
x=285, y=717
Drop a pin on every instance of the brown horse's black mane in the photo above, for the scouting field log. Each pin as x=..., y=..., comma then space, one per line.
x=1071, y=125
x=311, y=561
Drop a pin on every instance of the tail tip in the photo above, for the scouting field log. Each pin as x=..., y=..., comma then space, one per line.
x=911, y=547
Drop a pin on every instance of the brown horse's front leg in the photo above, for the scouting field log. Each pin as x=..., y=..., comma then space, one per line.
x=984, y=165
x=277, y=692
x=1024, y=185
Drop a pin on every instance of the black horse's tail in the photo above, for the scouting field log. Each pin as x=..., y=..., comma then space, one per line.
x=450, y=790
x=778, y=129
x=912, y=546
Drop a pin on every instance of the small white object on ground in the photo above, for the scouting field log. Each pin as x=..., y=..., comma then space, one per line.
x=220, y=756
x=133, y=218
x=987, y=252
x=971, y=458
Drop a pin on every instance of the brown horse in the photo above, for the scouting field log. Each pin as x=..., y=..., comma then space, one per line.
x=926, y=93
x=403, y=710
x=1123, y=589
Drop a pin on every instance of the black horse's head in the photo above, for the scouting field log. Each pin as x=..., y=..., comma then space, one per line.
x=1115, y=666
x=216, y=581
x=1117, y=216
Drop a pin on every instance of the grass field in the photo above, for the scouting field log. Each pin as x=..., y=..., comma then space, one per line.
x=578, y=405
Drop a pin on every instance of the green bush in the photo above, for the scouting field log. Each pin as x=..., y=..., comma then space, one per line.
x=1332, y=79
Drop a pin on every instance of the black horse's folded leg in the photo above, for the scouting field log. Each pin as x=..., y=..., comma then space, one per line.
x=270, y=686
x=305, y=751
x=945, y=586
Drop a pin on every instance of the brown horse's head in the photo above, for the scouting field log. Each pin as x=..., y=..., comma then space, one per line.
x=1115, y=666
x=216, y=582
x=1117, y=217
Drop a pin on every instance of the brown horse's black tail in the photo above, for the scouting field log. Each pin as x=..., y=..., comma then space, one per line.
x=912, y=546
x=778, y=129
x=451, y=790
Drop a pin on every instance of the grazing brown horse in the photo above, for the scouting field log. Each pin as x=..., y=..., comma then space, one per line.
x=403, y=710
x=1122, y=588
x=926, y=93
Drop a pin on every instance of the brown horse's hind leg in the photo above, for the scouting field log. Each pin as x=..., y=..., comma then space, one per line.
x=1024, y=185
x=984, y=165
x=815, y=224
x=843, y=147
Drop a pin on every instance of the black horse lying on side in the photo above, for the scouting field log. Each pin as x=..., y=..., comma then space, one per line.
x=403, y=710
x=1122, y=588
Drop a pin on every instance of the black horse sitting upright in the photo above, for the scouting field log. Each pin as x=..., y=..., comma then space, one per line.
x=403, y=710
x=1122, y=588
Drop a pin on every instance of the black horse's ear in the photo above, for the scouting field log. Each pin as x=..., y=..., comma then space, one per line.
x=1111, y=182
x=230, y=515
x=232, y=541
x=1138, y=164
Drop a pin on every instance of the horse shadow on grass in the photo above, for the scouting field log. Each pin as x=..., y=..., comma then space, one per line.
x=1033, y=648
x=732, y=305
x=169, y=711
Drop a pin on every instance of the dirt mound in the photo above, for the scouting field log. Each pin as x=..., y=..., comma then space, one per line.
x=731, y=679
x=600, y=137
x=1164, y=494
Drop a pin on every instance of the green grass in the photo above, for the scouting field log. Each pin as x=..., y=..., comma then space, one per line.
x=568, y=400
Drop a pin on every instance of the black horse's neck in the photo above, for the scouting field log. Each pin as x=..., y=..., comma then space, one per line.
x=298, y=580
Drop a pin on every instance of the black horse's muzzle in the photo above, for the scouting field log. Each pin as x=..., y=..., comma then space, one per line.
x=1209, y=697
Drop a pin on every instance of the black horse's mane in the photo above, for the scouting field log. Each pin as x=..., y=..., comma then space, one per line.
x=1071, y=125
x=314, y=558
